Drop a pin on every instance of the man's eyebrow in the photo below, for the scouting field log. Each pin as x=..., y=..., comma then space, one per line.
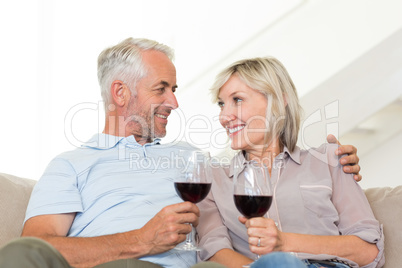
x=166, y=84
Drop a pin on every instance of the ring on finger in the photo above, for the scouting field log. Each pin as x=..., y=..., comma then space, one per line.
x=259, y=242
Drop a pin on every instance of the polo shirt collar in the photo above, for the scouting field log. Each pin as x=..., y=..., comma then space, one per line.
x=102, y=141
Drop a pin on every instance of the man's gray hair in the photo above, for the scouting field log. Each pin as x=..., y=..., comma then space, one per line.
x=124, y=62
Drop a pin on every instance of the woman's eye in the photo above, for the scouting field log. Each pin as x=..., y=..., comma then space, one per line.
x=221, y=104
x=237, y=100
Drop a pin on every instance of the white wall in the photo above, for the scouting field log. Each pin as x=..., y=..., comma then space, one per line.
x=50, y=99
x=382, y=166
x=49, y=51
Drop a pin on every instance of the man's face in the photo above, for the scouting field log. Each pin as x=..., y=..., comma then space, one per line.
x=147, y=112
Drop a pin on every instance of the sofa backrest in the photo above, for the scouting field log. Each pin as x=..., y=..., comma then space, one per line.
x=14, y=197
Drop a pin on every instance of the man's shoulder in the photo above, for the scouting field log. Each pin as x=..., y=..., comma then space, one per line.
x=74, y=153
x=80, y=158
x=181, y=145
x=326, y=148
x=75, y=159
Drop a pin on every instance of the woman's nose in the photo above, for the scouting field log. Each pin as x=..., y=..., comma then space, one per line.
x=225, y=117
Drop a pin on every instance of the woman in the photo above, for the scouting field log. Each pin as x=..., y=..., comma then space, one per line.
x=319, y=214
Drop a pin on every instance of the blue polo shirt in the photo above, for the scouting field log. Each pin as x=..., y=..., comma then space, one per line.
x=114, y=185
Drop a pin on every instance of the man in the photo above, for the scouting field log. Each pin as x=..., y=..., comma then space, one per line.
x=110, y=203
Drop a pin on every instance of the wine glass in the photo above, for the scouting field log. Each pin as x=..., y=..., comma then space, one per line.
x=252, y=191
x=193, y=184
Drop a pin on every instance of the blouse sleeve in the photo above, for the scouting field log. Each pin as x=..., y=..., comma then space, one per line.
x=355, y=214
x=213, y=234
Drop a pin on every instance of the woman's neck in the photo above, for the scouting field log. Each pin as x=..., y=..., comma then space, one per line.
x=265, y=155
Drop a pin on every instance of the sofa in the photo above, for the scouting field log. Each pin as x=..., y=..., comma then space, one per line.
x=386, y=203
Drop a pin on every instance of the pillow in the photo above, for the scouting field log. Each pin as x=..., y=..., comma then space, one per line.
x=386, y=204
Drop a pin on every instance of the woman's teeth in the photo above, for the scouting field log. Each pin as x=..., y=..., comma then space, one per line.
x=235, y=129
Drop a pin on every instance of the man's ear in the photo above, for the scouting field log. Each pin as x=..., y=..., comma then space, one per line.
x=120, y=93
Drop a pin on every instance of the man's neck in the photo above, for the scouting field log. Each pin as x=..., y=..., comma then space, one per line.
x=139, y=139
x=142, y=140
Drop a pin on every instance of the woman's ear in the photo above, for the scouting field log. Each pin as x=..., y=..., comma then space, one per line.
x=119, y=93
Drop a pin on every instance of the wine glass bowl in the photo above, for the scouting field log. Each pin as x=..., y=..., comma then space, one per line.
x=252, y=206
x=193, y=192
x=193, y=184
x=252, y=191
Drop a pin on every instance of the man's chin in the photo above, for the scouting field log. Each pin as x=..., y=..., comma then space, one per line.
x=160, y=134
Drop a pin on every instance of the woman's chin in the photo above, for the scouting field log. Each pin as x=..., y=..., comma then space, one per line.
x=236, y=146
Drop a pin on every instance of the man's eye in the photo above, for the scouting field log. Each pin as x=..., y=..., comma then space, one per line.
x=162, y=89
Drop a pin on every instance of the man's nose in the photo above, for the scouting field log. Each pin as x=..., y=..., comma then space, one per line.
x=171, y=100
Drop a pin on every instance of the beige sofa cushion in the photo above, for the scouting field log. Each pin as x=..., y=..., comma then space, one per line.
x=14, y=196
x=386, y=204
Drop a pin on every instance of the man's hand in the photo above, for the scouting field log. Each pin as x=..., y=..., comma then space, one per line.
x=351, y=161
x=168, y=227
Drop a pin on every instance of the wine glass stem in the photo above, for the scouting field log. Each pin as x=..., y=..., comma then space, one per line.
x=189, y=237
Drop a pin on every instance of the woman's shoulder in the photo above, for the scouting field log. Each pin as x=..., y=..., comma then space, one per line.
x=324, y=153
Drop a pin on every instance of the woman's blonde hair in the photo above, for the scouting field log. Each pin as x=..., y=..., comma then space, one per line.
x=268, y=76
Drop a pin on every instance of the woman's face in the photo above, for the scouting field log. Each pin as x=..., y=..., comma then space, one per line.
x=243, y=112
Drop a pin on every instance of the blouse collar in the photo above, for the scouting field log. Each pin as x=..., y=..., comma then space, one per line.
x=239, y=160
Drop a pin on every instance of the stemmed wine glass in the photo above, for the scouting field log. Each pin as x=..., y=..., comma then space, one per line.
x=252, y=191
x=193, y=184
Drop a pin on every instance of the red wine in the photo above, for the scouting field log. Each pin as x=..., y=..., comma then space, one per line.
x=193, y=192
x=253, y=206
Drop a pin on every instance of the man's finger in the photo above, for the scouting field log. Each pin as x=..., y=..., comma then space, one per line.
x=357, y=177
x=184, y=229
x=332, y=139
x=184, y=207
x=349, y=159
x=346, y=149
x=352, y=169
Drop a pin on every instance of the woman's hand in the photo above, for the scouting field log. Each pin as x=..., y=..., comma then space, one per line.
x=263, y=235
x=350, y=162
